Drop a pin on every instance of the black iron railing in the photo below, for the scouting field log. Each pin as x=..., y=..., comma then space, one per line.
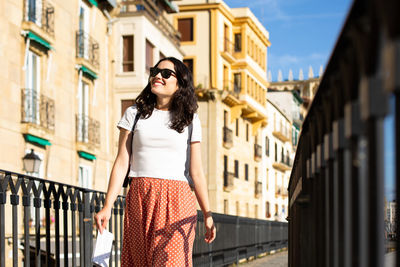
x=87, y=48
x=41, y=12
x=57, y=222
x=36, y=109
x=339, y=181
x=87, y=130
x=155, y=12
x=228, y=137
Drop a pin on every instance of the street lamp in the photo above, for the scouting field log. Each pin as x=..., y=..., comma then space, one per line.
x=31, y=162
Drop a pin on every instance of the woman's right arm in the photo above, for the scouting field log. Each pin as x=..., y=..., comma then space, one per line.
x=118, y=172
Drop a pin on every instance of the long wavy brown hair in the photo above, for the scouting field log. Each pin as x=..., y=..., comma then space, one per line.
x=183, y=103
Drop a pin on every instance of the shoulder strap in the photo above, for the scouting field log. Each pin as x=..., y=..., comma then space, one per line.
x=136, y=120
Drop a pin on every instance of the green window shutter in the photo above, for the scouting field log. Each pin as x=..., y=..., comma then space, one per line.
x=88, y=72
x=36, y=140
x=86, y=155
x=94, y=3
x=39, y=40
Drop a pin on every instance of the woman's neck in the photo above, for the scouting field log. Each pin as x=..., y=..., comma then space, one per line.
x=162, y=104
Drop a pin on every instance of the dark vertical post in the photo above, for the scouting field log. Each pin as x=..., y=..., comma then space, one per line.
x=64, y=196
x=116, y=211
x=81, y=207
x=3, y=198
x=87, y=229
x=56, y=204
x=73, y=225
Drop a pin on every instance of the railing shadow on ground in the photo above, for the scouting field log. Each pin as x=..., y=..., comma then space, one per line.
x=67, y=239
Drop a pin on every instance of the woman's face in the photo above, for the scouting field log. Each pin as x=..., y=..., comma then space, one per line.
x=162, y=86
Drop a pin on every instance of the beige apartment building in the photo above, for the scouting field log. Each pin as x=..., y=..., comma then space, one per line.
x=226, y=48
x=56, y=94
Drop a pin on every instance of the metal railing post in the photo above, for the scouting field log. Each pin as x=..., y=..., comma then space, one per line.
x=87, y=229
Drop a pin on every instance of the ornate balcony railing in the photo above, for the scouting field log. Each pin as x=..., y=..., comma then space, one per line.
x=57, y=223
x=228, y=137
x=154, y=12
x=87, y=130
x=87, y=48
x=41, y=12
x=36, y=109
x=349, y=140
x=257, y=152
x=229, y=179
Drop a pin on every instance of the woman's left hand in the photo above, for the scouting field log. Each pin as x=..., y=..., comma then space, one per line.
x=211, y=232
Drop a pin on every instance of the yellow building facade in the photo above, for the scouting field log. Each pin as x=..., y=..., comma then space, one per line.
x=226, y=50
x=56, y=89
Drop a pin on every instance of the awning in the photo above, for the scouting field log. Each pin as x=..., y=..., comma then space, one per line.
x=93, y=2
x=88, y=72
x=171, y=7
x=86, y=155
x=37, y=140
x=38, y=39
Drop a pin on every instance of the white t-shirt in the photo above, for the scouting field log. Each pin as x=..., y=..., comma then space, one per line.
x=157, y=150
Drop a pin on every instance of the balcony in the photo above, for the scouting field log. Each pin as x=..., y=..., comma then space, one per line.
x=87, y=50
x=278, y=190
x=37, y=111
x=228, y=52
x=39, y=18
x=281, y=133
x=282, y=165
x=257, y=152
x=258, y=189
x=87, y=132
x=230, y=94
x=228, y=181
x=154, y=13
x=228, y=137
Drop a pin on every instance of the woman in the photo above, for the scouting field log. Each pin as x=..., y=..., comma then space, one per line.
x=160, y=215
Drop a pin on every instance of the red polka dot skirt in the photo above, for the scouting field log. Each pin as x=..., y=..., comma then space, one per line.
x=159, y=224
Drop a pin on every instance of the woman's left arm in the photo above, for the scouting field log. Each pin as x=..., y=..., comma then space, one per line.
x=197, y=174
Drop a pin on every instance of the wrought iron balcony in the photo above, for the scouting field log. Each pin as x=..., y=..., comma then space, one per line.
x=87, y=130
x=38, y=110
x=257, y=152
x=87, y=48
x=228, y=52
x=40, y=12
x=228, y=181
x=258, y=189
x=228, y=137
x=154, y=12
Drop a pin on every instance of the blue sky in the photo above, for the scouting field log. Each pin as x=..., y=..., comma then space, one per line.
x=303, y=33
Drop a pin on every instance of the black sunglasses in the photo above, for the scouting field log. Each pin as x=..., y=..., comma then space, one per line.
x=165, y=73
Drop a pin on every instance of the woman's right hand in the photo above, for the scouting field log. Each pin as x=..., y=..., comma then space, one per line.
x=102, y=218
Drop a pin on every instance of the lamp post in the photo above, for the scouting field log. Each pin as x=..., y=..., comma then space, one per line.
x=31, y=162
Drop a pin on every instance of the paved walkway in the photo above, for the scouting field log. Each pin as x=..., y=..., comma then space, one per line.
x=279, y=259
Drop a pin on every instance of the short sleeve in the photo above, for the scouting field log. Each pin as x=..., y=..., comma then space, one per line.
x=196, y=132
x=128, y=118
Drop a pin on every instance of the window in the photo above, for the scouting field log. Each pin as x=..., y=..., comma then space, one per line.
x=237, y=127
x=149, y=55
x=276, y=152
x=256, y=173
x=276, y=210
x=237, y=208
x=246, y=172
x=189, y=64
x=127, y=53
x=236, y=168
x=32, y=88
x=237, y=82
x=161, y=56
x=267, y=145
x=225, y=163
x=226, y=206
x=267, y=210
x=126, y=104
x=247, y=132
x=247, y=210
x=85, y=176
x=225, y=118
x=185, y=27
x=267, y=180
x=256, y=211
x=83, y=112
x=238, y=42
